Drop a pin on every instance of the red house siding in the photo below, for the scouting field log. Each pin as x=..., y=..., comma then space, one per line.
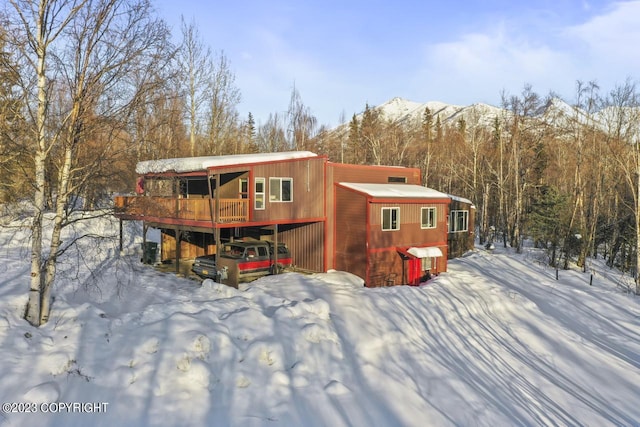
x=364, y=249
x=350, y=235
x=386, y=265
x=340, y=172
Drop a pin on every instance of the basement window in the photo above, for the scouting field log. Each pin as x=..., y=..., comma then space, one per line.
x=390, y=219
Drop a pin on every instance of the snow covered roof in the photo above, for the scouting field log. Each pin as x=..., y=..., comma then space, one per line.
x=193, y=164
x=408, y=191
x=461, y=199
x=425, y=252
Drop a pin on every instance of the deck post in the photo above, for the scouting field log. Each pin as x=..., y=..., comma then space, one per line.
x=121, y=245
x=275, y=249
x=178, y=251
x=217, y=214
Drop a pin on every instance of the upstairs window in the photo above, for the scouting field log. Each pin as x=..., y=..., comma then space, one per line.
x=280, y=189
x=395, y=179
x=428, y=217
x=244, y=188
x=390, y=219
x=459, y=221
x=259, y=193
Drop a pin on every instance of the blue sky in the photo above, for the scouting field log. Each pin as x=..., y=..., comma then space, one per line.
x=341, y=55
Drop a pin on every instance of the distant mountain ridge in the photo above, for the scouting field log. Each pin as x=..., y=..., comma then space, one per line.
x=556, y=112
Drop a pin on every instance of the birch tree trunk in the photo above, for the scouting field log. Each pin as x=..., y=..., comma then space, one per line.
x=99, y=46
x=45, y=34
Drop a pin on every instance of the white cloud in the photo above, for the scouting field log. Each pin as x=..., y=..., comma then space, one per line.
x=613, y=36
x=476, y=67
x=479, y=66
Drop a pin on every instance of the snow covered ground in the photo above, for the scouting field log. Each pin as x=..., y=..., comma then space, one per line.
x=496, y=341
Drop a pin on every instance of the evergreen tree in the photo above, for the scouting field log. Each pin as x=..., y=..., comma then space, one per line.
x=545, y=223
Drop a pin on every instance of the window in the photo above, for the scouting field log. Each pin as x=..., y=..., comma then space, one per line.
x=259, y=196
x=459, y=221
x=428, y=218
x=390, y=219
x=244, y=188
x=402, y=179
x=428, y=264
x=262, y=251
x=280, y=189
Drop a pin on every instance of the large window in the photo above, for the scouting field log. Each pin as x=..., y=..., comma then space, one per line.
x=390, y=219
x=459, y=221
x=259, y=194
x=280, y=189
x=428, y=218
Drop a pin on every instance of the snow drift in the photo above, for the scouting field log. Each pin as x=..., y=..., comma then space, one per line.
x=495, y=341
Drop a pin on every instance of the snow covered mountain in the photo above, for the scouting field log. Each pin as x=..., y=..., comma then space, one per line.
x=556, y=112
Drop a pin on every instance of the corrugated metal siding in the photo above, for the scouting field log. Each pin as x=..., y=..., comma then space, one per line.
x=410, y=213
x=385, y=264
x=308, y=190
x=410, y=232
x=306, y=244
x=385, y=269
x=351, y=232
x=339, y=172
x=372, y=174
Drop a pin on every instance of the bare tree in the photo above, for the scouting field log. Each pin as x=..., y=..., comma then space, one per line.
x=272, y=135
x=223, y=99
x=301, y=127
x=12, y=147
x=624, y=129
x=83, y=56
x=196, y=65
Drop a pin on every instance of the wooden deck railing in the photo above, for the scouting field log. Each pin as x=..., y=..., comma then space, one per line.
x=230, y=210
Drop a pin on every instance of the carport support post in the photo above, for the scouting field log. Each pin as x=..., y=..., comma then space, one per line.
x=275, y=249
x=145, y=227
x=178, y=245
x=121, y=237
x=216, y=215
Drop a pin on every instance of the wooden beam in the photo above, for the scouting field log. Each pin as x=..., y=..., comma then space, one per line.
x=178, y=245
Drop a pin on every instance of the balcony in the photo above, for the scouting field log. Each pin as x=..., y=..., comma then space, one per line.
x=170, y=209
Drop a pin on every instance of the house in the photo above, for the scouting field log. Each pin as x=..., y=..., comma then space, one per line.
x=461, y=235
x=375, y=221
x=199, y=202
x=391, y=233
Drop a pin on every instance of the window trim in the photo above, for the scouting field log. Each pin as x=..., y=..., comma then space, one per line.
x=243, y=194
x=435, y=218
x=453, y=222
x=257, y=193
x=391, y=222
x=433, y=264
x=281, y=180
